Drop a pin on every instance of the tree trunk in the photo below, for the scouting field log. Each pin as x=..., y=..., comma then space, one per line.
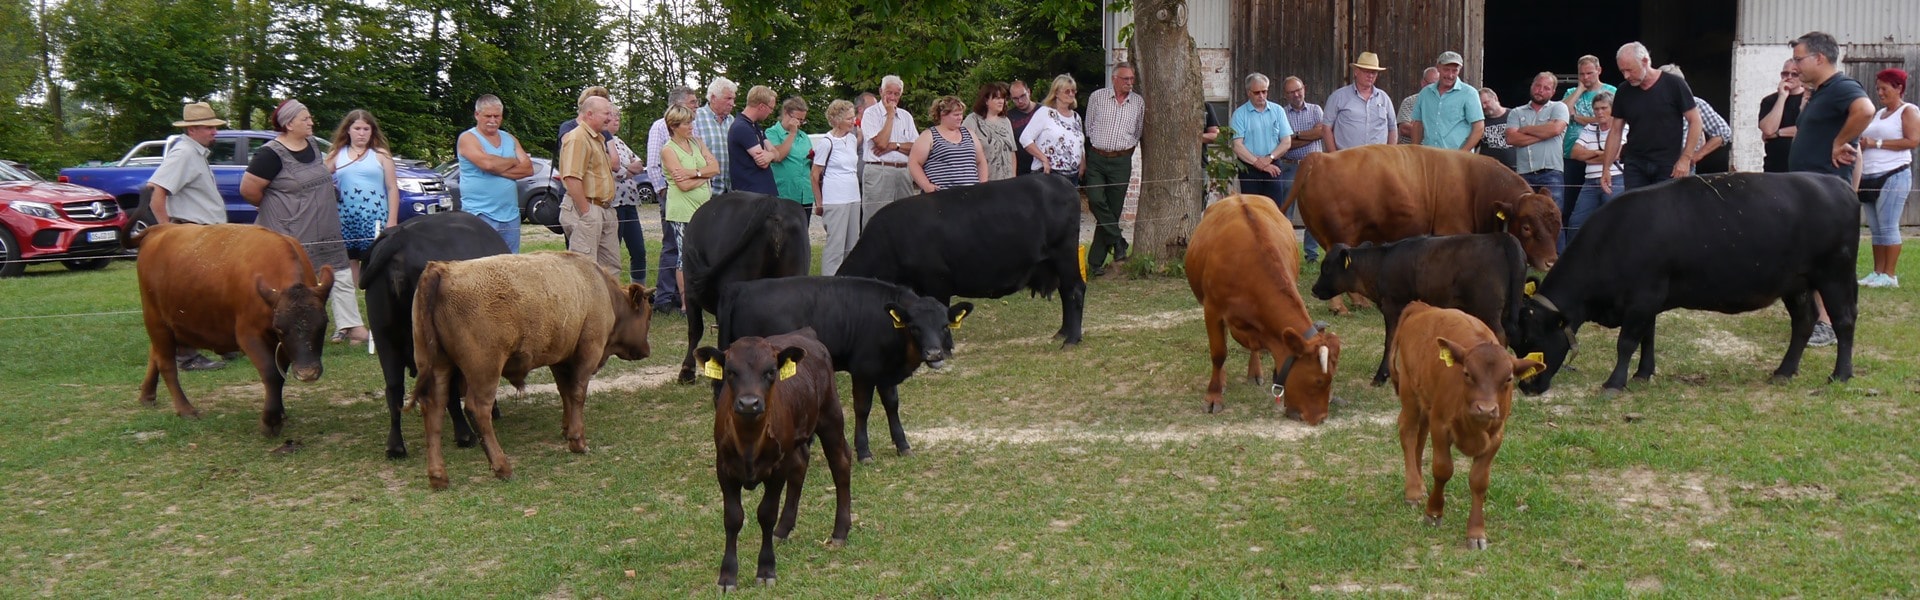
x=1170, y=180
x=54, y=101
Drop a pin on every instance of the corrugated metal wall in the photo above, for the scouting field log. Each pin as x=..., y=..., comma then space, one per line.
x=1850, y=21
x=1293, y=37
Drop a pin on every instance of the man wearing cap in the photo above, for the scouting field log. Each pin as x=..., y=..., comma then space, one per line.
x=1448, y=113
x=1360, y=114
x=587, y=172
x=184, y=192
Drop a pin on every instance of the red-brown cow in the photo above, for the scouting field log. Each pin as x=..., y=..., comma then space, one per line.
x=1455, y=382
x=228, y=288
x=1242, y=264
x=771, y=397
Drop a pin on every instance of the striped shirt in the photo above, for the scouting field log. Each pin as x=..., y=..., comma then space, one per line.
x=1306, y=119
x=1112, y=126
x=712, y=131
x=951, y=165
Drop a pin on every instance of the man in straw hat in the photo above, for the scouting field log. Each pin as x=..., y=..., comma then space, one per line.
x=183, y=192
x=1360, y=113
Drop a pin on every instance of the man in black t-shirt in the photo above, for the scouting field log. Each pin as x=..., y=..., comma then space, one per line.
x=1834, y=116
x=1779, y=120
x=1020, y=108
x=1657, y=107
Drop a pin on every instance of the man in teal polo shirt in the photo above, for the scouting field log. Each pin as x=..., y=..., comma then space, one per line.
x=1260, y=135
x=1448, y=113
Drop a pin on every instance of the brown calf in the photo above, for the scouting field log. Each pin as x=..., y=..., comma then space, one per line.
x=1455, y=382
x=772, y=396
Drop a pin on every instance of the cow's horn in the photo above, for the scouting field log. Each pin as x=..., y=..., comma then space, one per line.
x=1323, y=360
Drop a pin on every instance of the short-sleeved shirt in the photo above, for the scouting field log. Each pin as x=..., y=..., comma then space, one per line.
x=1493, y=139
x=1581, y=107
x=793, y=175
x=188, y=179
x=1308, y=117
x=1657, y=115
x=266, y=163
x=1113, y=126
x=1712, y=125
x=903, y=132
x=1260, y=130
x=840, y=177
x=1019, y=120
x=1820, y=122
x=1359, y=121
x=712, y=130
x=583, y=155
x=1544, y=154
x=1778, y=148
x=1594, y=137
x=657, y=137
x=1446, y=120
x=747, y=176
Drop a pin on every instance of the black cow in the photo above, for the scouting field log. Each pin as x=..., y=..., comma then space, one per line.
x=391, y=272
x=981, y=241
x=735, y=237
x=1480, y=274
x=1727, y=243
x=878, y=332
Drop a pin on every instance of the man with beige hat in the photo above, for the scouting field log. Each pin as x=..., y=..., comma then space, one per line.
x=1360, y=113
x=183, y=192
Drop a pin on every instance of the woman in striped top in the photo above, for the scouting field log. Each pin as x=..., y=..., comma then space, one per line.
x=947, y=155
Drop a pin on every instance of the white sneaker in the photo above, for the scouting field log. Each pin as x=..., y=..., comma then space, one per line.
x=1879, y=280
x=1869, y=279
x=1892, y=281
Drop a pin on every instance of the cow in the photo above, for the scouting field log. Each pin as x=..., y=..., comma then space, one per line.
x=1482, y=274
x=1241, y=265
x=1455, y=381
x=878, y=332
x=230, y=288
x=982, y=241
x=1381, y=193
x=392, y=269
x=507, y=315
x=772, y=397
x=1728, y=243
x=735, y=237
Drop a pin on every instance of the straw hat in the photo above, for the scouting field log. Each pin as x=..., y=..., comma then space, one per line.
x=1369, y=62
x=198, y=113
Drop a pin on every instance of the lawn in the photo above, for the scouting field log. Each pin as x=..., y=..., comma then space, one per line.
x=1038, y=472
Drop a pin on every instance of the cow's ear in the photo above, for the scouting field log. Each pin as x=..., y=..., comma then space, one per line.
x=899, y=315
x=639, y=295
x=958, y=312
x=1501, y=209
x=1526, y=368
x=1295, y=344
x=267, y=293
x=1450, y=353
x=1543, y=191
x=1341, y=256
x=324, y=283
x=790, y=361
x=713, y=362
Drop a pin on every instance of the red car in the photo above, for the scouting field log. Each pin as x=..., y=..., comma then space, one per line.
x=43, y=221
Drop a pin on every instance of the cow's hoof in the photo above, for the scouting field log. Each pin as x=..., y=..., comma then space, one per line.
x=149, y=402
x=1433, y=521
x=1839, y=377
x=686, y=376
x=1643, y=379
x=397, y=453
x=1778, y=379
x=505, y=474
x=437, y=483
x=866, y=459
x=1379, y=380
x=1612, y=392
x=728, y=587
x=1476, y=543
x=763, y=581
x=191, y=413
x=1215, y=407
x=465, y=442
x=1416, y=502
x=837, y=543
x=577, y=446
x=265, y=430
x=903, y=452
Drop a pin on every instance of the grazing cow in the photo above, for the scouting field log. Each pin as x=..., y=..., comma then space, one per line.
x=392, y=269
x=737, y=236
x=1482, y=274
x=228, y=288
x=1455, y=381
x=510, y=314
x=771, y=397
x=878, y=332
x=1382, y=193
x=1728, y=243
x=1241, y=265
x=982, y=241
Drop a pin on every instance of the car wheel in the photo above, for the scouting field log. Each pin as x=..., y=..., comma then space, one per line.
x=545, y=210
x=10, y=263
x=142, y=219
x=87, y=264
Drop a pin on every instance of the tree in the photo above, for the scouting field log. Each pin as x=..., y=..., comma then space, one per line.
x=139, y=59
x=1171, y=182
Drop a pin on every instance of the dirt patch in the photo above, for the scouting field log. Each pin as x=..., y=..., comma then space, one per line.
x=1781, y=492
x=1663, y=499
x=1073, y=433
x=1118, y=323
x=1645, y=585
x=1724, y=344
x=1349, y=587
x=644, y=378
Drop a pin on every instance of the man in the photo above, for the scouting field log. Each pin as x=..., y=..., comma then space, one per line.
x=1020, y=109
x=1116, y=117
x=1361, y=114
x=1534, y=130
x=1658, y=108
x=1706, y=158
x=594, y=90
x=1448, y=113
x=1427, y=78
x=1493, y=131
x=1309, y=125
x=792, y=150
x=587, y=172
x=747, y=150
x=490, y=160
x=1779, y=111
x=1837, y=111
x=889, y=132
x=1579, y=101
x=1260, y=134
x=666, y=294
x=1209, y=132
x=712, y=123
x=860, y=105
x=184, y=192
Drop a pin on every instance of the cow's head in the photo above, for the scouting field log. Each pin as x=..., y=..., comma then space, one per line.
x=1488, y=374
x=1336, y=274
x=744, y=375
x=1308, y=372
x=929, y=327
x=1534, y=219
x=1543, y=330
x=632, y=319
x=300, y=323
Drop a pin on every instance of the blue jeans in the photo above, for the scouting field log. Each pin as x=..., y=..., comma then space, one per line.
x=1553, y=181
x=1285, y=186
x=1640, y=173
x=509, y=232
x=1591, y=199
x=1883, y=216
x=666, y=290
x=1254, y=181
x=631, y=234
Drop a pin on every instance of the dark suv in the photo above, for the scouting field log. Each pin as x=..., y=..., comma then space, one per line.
x=41, y=220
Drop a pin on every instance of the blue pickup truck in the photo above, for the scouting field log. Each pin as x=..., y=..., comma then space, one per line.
x=422, y=191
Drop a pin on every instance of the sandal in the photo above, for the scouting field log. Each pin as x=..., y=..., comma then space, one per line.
x=339, y=336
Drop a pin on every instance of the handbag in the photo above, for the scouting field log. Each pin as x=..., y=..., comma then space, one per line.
x=1870, y=186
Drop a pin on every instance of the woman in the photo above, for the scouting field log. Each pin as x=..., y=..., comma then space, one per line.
x=293, y=186
x=989, y=124
x=1887, y=154
x=1590, y=148
x=629, y=173
x=363, y=173
x=1054, y=138
x=836, y=183
x=792, y=173
x=946, y=155
x=690, y=169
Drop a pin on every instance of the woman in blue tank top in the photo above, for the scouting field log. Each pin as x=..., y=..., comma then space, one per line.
x=363, y=172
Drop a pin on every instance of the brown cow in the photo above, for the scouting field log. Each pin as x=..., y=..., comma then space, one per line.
x=1242, y=264
x=1455, y=382
x=228, y=288
x=771, y=397
x=1381, y=193
x=507, y=315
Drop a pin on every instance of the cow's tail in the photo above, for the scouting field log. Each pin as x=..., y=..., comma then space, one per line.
x=133, y=241
x=426, y=334
x=1293, y=191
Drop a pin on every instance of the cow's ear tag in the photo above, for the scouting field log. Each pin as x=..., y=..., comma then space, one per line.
x=788, y=369
x=1501, y=215
x=713, y=371
x=897, y=323
x=1531, y=288
x=1446, y=357
x=1532, y=371
x=1348, y=264
x=955, y=325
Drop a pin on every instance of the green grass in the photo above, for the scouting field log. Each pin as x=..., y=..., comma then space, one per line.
x=1039, y=472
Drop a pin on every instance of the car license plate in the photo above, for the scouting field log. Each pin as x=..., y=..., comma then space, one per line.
x=103, y=236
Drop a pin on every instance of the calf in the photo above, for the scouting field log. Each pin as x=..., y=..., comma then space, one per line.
x=226, y=288
x=1482, y=274
x=878, y=332
x=1455, y=381
x=771, y=397
x=508, y=315
x=737, y=236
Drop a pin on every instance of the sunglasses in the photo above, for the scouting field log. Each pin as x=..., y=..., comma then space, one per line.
x=1789, y=74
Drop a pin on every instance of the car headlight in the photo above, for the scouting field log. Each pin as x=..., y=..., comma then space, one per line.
x=416, y=186
x=419, y=208
x=38, y=209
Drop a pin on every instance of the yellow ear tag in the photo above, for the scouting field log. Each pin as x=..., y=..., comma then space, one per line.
x=1531, y=288
x=897, y=323
x=713, y=370
x=1536, y=357
x=1501, y=215
x=1348, y=264
x=955, y=325
x=787, y=369
x=1446, y=357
